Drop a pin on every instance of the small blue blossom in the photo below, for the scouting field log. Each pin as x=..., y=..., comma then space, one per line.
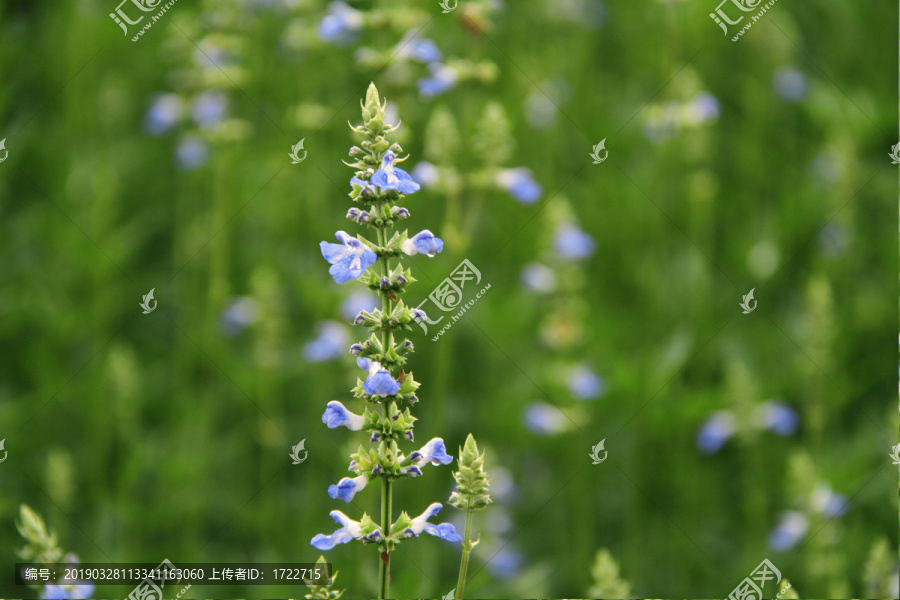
x=778, y=418
x=520, y=185
x=339, y=23
x=538, y=278
x=426, y=174
x=389, y=177
x=381, y=384
x=348, y=260
x=434, y=452
x=715, y=432
x=584, y=384
x=419, y=49
x=445, y=531
x=544, y=419
x=791, y=85
x=829, y=503
x=209, y=109
x=791, y=528
x=347, y=487
x=423, y=242
x=192, y=153
x=332, y=338
x=573, y=243
x=336, y=415
x=164, y=114
x=441, y=80
x=357, y=301
x=350, y=530
x=703, y=108
x=239, y=315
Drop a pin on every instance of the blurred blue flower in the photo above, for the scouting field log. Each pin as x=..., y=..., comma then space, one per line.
x=339, y=23
x=584, y=384
x=445, y=531
x=209, y=109
x=829, y=503
x=350, y=530
x=538, y=278
x=572, y=243
x=347, y=487
x=356, y=301
x=791, y=528
x=389, y=177
x=164, y=114
x=240, y=314
x=715, y=432
x=703, y=108
x=423, y=242
x=506, y=563
x=543, y=419
x=419, y=49
x=381, y=384
x=192, y=153
x=82, y=591
x=434, y=452
x=441, y=80
x=778, y=418
x=349, y=259
x=330, y=343
x=520, y=185
x=791, y=85
x=336, y=415
x=426, y=174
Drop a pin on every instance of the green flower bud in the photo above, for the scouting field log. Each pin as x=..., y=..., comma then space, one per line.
x=472, y=483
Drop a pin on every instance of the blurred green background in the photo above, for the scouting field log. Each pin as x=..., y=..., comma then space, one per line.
x=163, y=163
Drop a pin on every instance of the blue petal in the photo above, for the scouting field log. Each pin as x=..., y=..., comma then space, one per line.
x=327, y=542
x=381, y=384
x=439, y=455
x=345, y=489
x=335, y=415
x=333, y=252
x=445, y=531
x=54, y=592
x=363, y=363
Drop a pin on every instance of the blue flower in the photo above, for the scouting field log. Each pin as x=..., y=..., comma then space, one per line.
x=164, y=114
x=828, y=502
x=381, y=384
x=791, y=85
x=426, y=174
x=714, y=432
x=330, y=343
x=434, y=452
x=209, y=109
x=350, y=530
x=441, y=80
x=703, y=108
x=336, y=415
x=79, y=591
x=584, y=384
x=238, y=316
x=192, y=153
x=544, y=419
x=423, y=242
x=778, y=418
x=538, y=278
x=340, y=21
x=425, y=51
x=572, y=243
x=445, y=531
x=520, y=185
x=357, y=301
x=347, y=487
x=389, y=177
x=349, y=259
x=790, y=530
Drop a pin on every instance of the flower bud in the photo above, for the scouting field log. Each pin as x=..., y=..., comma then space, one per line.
x=356, y=349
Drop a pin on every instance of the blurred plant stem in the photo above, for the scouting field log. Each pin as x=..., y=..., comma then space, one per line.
x=466, y=550
x=384, y=564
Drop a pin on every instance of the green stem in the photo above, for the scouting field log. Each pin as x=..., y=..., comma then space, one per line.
x=384, y=561
x=467, y=548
